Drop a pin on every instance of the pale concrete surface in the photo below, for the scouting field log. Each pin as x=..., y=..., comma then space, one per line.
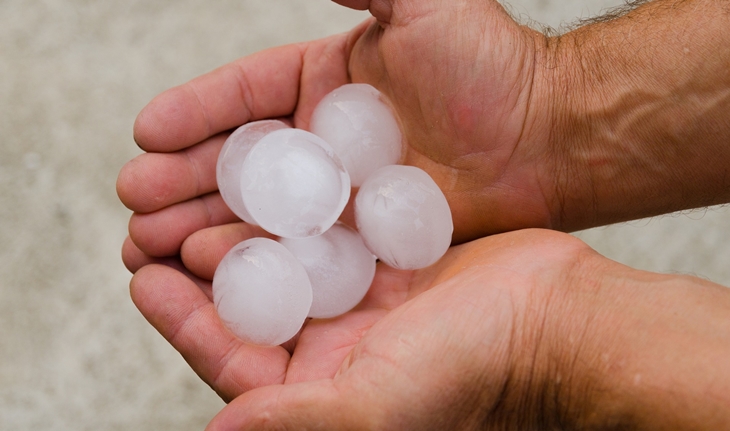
x=74, y=352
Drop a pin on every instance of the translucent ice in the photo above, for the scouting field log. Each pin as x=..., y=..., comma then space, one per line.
x=403, y=217
x=293, y=184
x=360, y=127
x=230, y=162
x=262, y=292
x=340, y=269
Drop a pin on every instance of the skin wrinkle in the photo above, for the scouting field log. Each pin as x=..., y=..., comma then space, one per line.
x=498, y=409
x=206, y=117
x=188, y=318
x=405, y=15
x=210, y=216
x=246, y=93
x=503, y=399
x=530, y=90
x=543, y=349
x=550, y=59
x=346, y=52
x=568, y=376
x=303, y=49
x=196, y=173
x=564, y=177
x=533, y=374
x=579, y=357
x=564, y=170
x=271, y=416
x=506, y=384
x=223, y=362
x=222, y=366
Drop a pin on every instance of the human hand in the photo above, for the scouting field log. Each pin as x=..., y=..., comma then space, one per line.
x=622, y=118
x=427, y=349
x=472, y=91
x=467, y=136
x=490, y=109
x=529, y=329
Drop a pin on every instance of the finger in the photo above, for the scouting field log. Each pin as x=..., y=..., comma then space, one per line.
x=134, y=258
x=263, y=85
x=163, y=232
x=186, y=317
x=203, y=250
x=153, y=181
x=324, y=69
x=318, y=405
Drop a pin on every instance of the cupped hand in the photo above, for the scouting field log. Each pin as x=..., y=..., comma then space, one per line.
x=471, y=88
x=523, y=330
x=447, y=347
x=461, y=79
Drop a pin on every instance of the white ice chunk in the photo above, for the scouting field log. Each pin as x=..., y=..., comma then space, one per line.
x=230, y=162
x=293, y=184
x=262, y=292
x=360, y=127
x=340, y=269
x=404, y=217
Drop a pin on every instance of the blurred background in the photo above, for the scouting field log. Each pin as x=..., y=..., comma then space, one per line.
x=74, y=352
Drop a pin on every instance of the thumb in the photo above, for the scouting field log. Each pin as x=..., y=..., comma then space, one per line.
x=318, y=405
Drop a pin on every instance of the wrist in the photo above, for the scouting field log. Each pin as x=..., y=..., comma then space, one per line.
x=637, y=350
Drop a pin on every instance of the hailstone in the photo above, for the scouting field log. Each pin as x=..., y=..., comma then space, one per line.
x=261, y=292
x=340, y=269
x=404, y=217
x=230, y=162
x=293, y=184
x=360, y=127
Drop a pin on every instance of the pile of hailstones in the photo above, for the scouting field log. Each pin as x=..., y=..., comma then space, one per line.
x=295, y=184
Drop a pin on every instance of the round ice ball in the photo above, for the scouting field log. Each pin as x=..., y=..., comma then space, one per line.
x=340, y=267
x=230, y=162
x=360, y=127
x=293, y=184
x=404, y=217
x=261, y=292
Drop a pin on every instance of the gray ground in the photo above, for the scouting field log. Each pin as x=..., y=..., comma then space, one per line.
x=74, y=352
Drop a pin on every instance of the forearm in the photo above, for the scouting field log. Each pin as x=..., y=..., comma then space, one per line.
x=642, y=113
x=654, y=353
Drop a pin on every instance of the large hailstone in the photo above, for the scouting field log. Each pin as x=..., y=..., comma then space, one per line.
x=262, y=292
x=360, y=127
x=404, y=217
x=293, y=184
x=230, y=162
x=340, y=269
